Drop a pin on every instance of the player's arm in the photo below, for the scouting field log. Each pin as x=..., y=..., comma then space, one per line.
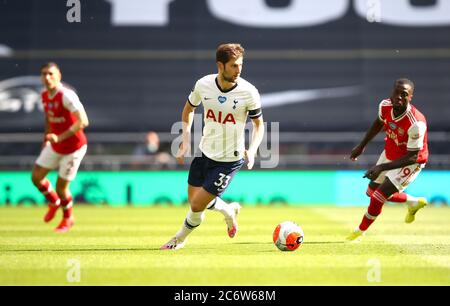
x=373, y=131
x=409, y=159
x=257, y=137
x=46, y=131
x=187, y=118
x=72, y=103
x=81, y=123
x=416, y=134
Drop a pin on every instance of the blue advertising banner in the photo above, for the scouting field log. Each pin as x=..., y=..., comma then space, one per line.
x=342, y=188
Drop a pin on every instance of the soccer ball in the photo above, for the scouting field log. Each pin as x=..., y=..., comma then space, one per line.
x=288, y=236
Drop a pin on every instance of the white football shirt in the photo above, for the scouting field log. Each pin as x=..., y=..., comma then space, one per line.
x=225, y=116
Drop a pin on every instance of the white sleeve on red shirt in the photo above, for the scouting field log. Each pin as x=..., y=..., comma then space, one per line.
x=71, y=101
x=380, y=111
x=416, y=133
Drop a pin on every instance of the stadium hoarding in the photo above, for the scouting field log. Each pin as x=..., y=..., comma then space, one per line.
x=169, y=188
x=319, y=65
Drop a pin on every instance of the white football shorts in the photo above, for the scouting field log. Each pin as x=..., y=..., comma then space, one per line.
x=401, y=178
x=68, y=164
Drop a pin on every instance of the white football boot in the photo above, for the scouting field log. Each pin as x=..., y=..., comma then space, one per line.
x=173, y=244
x=232, y=225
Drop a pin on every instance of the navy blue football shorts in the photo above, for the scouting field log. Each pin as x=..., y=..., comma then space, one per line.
x=213, y=176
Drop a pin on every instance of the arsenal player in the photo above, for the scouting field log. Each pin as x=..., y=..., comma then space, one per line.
x=405, y=154
x=227, y=101
x=64, y=144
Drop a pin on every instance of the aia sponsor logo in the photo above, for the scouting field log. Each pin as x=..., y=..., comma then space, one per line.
x=220, y=117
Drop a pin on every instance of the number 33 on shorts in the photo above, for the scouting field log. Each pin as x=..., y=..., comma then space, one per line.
x=222, y=181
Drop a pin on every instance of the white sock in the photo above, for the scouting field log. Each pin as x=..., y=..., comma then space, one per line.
x=358, y=230
x=221, y=206
x=411, y=201
x=193, y=220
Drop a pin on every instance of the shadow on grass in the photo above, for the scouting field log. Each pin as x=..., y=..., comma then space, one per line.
x=79, y=250
x=312, y=242
x=325, y=242
x=144, y=249
x=250, y=243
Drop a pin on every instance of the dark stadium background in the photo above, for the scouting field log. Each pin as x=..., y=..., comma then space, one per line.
x=135, y=78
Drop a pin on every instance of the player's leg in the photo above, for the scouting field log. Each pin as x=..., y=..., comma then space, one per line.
x=402, y=178
x=357, y=234
x=199, y=199
x=377, y=200
x=68, y=169
x=47, y=160
x=207, y=181
x=217, y=180
x=196, y=214
x=193, y=219
x=63, y=190
x=229, y=211
x=371, y=188
x=398, y=197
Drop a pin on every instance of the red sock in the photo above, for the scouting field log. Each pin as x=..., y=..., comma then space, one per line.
x=67, y=205
x=376, y=204
x=398, y=197
x=47, y=190
x=369, y=191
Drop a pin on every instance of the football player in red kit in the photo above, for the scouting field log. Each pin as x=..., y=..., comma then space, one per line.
x=64, y=145
x=405, y=154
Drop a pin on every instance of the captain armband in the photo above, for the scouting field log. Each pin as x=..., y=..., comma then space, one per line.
x=256, y=113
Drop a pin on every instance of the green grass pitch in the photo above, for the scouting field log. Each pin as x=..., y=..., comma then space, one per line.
x=119, y=246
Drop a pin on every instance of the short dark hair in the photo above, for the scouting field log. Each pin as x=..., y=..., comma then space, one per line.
x=49, y=65
x=227, y=51
x=404, y=81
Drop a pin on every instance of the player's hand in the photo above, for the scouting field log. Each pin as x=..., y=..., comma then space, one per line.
x=45, y=143
x=357, y=151
x=250, y=156
x=373, y=173
x=182, y=150
x=52, y=138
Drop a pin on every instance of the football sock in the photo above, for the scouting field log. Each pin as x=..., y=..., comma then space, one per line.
x=47, y=190
x=376, y=204
x=369, y=191
x=193, y=220
x=67, y=205
x=401, y=197
x=398, y=197
x=412, y=201
x=221, y=206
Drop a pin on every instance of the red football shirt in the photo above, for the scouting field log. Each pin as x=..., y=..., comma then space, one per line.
x=59, y=110
x=408, y=132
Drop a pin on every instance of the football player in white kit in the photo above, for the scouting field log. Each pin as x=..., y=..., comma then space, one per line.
x=227, y=101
